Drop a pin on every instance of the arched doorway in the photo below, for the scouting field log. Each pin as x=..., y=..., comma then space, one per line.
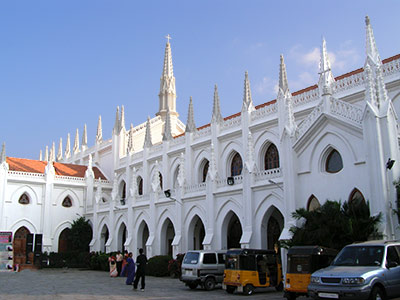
x=121, y=237
x=231, y=231
x=196, y=234
x=104, y=238
x=167, y=236
x=64, y=243
x=22, y=245
x=271, y=228
x=143, y=235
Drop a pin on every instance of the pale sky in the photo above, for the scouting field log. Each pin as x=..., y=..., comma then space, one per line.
x=64, y=63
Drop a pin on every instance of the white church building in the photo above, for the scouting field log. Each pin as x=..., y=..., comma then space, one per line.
x=169, y=186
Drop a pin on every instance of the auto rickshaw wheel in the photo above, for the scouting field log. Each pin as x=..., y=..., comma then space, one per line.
x=290, y=296
x=230, y=289
x=279, y=287
x=209, y=284
x=192, y=285
x=248, y=289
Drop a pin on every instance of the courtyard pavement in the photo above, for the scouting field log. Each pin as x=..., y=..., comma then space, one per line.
x=62, y=284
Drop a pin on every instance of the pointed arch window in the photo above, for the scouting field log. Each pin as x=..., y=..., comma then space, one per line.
x=271, y=159
x=313, y=203
x=67, y=202
x=140, y=185
x=161, y=180
x=205, y=171
x=334, y=162
x=356, y=197
x=24, y=199
x=236, y=165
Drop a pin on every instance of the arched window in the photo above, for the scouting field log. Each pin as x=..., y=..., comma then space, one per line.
x=67, y=202
x=24, y=199
x=313, y=203
x=236, y=165
x=334, y=162
x=123, y=190
x=161, y=180
x=205, y=171
x=356, y=197
x=140, y=185
x=271, y=159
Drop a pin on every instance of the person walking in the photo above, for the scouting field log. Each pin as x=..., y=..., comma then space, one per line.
x=119, y=259
x=141, y=262
x=130, y=269
x=113, y=266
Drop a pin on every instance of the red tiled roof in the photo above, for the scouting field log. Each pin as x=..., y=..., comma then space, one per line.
x=37, y=166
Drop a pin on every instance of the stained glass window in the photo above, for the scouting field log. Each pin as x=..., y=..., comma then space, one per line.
x=271, y=159
x=237, y=165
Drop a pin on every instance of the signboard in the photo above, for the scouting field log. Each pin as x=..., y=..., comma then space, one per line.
x=6, y=251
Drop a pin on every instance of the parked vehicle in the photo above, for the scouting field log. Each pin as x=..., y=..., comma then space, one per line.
x=369, y=270
x=204, y=268
x=247, y=269
x=301, y=262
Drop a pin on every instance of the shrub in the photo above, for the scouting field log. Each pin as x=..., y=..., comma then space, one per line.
x=158, y=266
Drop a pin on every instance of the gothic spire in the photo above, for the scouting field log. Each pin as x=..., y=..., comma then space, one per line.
x=285, y=105
x=84, y=138
x=167, y=127
x=283, y=82
x=99, y=135
x=190, y=125
x=147, y=137
x=247, y=101
x=117, y=122
x=40, y=155
x=67, y=153
x=130, y=140
x=76, y=143
x=46, y=154
x=216, y=115
x=326, y=78
x=52, y=152
x=3, y=153
x=59, y=154
x=167, y=95
x=122, y=119
x=371, y=49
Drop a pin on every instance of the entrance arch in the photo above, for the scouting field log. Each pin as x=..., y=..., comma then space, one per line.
x=167, y=236
x=271, y=228
x=104, y=238
x=121, y=237
x=231, y=231
x=196, y=234
x=143, y=235
x=64, y=243
x=20, y=243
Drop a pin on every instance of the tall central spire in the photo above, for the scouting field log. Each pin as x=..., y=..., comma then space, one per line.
x=167, y=95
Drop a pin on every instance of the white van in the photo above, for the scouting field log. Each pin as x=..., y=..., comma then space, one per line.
x=204, y=268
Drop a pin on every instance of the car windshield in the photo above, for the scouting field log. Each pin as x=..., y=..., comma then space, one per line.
x=360, y=256
x=191, y=258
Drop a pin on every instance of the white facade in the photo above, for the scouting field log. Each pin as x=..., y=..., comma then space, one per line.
x=354, y=115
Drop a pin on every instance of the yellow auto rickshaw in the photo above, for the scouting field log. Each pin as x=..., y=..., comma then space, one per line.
x=247, y=269
x=301, y=262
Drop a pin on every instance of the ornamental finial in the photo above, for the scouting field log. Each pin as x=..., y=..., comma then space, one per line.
x=168, y=37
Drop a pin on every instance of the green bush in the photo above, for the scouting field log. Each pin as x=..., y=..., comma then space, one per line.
x=158, y=266
x=73, y=259
x=99, y=261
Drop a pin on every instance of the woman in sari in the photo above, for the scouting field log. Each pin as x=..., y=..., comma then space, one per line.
x=113, y=266
x=130, y=269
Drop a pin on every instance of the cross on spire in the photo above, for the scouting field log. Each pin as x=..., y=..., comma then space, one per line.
x=168, y=37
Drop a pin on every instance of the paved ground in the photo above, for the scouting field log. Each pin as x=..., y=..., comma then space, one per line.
x=59, y=284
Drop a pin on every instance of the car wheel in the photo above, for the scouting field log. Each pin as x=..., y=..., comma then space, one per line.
x=209, y=284
x=230, y=289
x=192, y=285
x=377, y=294
x=248, y=289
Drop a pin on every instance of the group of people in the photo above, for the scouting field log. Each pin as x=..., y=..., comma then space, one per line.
x=124, y=265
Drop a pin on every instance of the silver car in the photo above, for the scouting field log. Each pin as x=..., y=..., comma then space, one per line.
x=369, y=270
x=204, y=268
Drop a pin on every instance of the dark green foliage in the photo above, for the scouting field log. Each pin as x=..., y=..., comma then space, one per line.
x=99, y=261
x=72, y=259
x=80, y=235
x=333, y=225
x=158, y=266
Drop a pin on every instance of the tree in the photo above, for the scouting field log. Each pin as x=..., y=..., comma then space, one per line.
x=333, y=225
x=81, y=235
